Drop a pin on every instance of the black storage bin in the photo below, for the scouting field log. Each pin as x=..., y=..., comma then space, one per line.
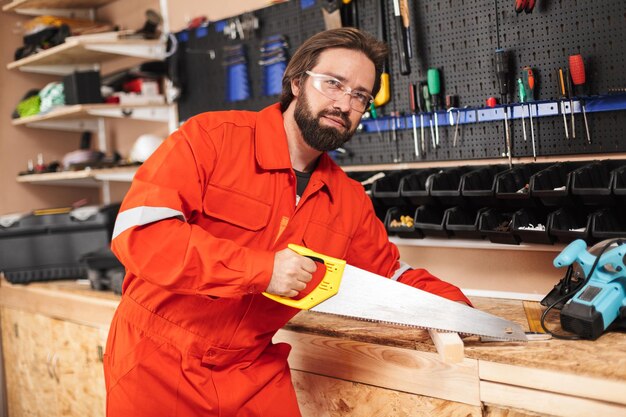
x=552, y=185
x=82, y=87
x=619, y=184
x=104, y=270
x=569, y=223
x=592, y=183
x=386, y=190
x=41, y=247
x=445, y=186
x=526, y=224
x=513, y=185
x=431, y=221
x=415, y=186
x=478, y=186
x=462, y=222
x=609, y=223
x=496, y=224
x=395, y=213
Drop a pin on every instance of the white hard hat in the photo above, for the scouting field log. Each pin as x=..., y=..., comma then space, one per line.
x=144, y=146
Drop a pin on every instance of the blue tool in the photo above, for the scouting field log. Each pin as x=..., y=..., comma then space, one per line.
x=601, y=300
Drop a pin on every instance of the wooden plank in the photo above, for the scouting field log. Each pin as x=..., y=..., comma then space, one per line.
x=79, y=308
x=449, y=346
x=547, y=402
x=78, y=111
x=558, y=382
x=80, y=178
x=54, y=4
x=399, y=369
x=320, y=396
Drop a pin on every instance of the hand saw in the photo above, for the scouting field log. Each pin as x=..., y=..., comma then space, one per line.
x=349, y=291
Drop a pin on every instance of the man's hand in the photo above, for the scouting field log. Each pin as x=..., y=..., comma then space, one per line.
x=291, y=273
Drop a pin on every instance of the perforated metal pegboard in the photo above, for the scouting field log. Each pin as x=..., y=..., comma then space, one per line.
x=459, y=37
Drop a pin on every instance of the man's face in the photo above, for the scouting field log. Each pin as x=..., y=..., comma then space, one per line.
x=327, y=124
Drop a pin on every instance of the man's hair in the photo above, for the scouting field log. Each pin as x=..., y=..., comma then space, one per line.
x=308, y=53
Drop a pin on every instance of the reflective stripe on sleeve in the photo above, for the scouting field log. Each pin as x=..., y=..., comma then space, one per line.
x=143, y=215
x=403, y=268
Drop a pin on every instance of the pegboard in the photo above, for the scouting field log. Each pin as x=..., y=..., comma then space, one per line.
x=459, y=38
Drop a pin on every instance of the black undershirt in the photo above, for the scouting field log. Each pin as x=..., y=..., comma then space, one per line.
x=302, y=180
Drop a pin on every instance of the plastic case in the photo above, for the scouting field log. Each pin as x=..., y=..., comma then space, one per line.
x=568, y=224
x=386, y=190
x=608, y=223
x=445, y=186
x=431, y=221
x=41, y=247
x=592, y=183
x=525, y=226
x=479, y=186
x=415, y=187
x=462, y=222
x=552, y=185
x=497, y=226
x=513, y=185
x=407, y=232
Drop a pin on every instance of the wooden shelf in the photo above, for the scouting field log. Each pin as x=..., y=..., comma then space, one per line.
x=432, y=242
x=81, y=117
x=86, y=52
x=85, y=178
x=17, y=5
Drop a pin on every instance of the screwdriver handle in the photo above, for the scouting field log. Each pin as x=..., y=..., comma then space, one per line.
x=561, y=84
x=401, y=38
x=502, y=72
x=529, y=78
x=434, y=85
x=521, y=90
x=577, y=69
x=413, y=97
x=426, y=96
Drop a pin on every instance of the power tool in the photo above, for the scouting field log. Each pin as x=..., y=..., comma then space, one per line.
x=600, y=299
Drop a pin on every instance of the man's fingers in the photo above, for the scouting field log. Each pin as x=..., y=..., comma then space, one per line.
x=309, y=266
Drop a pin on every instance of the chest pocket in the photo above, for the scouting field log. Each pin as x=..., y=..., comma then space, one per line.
x=235, y=208
x=323, y=239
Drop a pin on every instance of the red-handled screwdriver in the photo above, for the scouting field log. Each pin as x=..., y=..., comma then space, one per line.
x=577, y=71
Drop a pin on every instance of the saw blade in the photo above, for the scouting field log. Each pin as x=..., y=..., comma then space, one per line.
x=367, y=296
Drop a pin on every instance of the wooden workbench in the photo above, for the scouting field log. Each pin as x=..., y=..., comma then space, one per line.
x=343, y=367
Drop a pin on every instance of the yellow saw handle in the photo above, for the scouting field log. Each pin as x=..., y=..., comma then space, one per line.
x=328, y=286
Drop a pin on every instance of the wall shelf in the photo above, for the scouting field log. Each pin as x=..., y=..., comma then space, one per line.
x=84, y=178
x=432, y=242
x=83, y=117
x=87, y=52
x=66, y=8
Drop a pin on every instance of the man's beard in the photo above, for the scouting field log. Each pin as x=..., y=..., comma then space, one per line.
x=318, y=137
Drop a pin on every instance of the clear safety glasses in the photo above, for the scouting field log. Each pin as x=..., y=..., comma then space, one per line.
x=333, y=89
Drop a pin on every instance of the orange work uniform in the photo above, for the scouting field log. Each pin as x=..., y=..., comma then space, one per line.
x=197, y=233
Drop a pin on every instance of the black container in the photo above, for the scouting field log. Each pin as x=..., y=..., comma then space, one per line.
x=431, y=221
x=552, y=185
x=386, y=190
x=42, y=247
x=478, y=186
x=592, y=183
x=569, y=223
x=104, y=270
x=82, y=87
x=415, y=186
x=462, y=222
x=410, y=232
x=445, y=186
x=526, y=226
x=619, y=184
x=496, y=224
x=609, y=223
x=513, y=185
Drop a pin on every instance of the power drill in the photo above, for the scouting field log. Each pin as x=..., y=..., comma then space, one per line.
x=601, y=301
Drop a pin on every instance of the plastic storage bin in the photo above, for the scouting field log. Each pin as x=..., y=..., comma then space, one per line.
x=496, y=224
x=41, y=247
x=415, y=187
x=531, y=226
x=462, y=222
x=386, y=190
x=445, y=186
x=431, y=221
x=569, y=223
x=513, y=185
x=552, y=185
x=592, y=183
x=479, y=187
x=608, y=223
x=619, y=184
x=404, y=231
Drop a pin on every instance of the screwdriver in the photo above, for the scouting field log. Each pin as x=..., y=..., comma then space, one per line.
x=571, y=102
x=522, y=98
x=428, y=107
x=401, y=36
x=577, y=71
x=529, y=81
x=419, y=101
x=452, y=103
x=563, y=96
x=413, y=104
x=434, y=88
x=383, y=95
x=502, y=73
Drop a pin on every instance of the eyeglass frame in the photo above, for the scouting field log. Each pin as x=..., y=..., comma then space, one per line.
x=343, y=88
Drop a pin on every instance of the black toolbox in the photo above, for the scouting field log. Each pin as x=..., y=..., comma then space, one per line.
x=48, y=244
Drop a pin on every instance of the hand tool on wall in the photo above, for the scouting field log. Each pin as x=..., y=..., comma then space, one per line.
x=434, y=88
x=350, y=291
x=502, y=73
x=597, y=302
x=577, y=71
x=331, y=10
x=406, y=22
x=349, y=14
x=524, y=5
x=452, y=106
x=568, y=85
x=413, y=105
x=401, y=37
x=521, y=90
x=383, y=94
x=529, y=84
x=562, y=97
x=428, y=108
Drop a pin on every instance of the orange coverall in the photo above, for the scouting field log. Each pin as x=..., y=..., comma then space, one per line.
x=197, y=233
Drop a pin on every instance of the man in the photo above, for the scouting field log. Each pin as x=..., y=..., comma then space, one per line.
x=204, y=230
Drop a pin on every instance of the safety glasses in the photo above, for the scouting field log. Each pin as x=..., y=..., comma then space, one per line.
x=334, y=89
